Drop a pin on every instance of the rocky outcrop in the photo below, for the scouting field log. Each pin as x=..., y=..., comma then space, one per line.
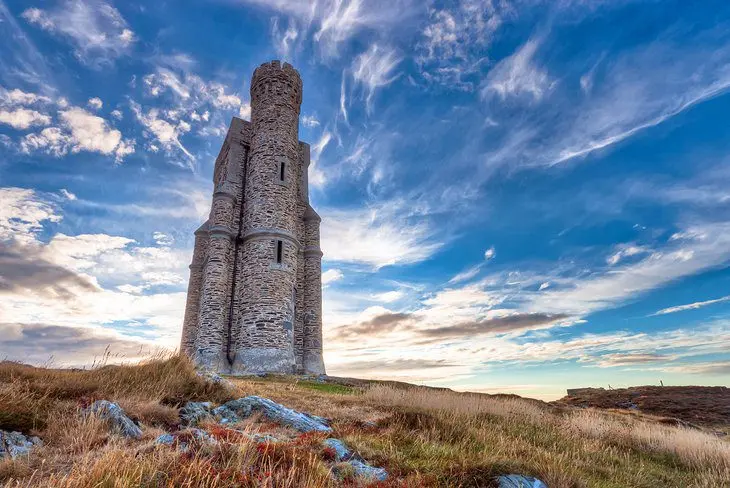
x=114, y=414
x=519, y=481
x=15, y=444
x=342, y=453
x=237, y=410
x=193, y=412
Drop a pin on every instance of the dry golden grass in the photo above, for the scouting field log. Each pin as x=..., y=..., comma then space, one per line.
x=424, y=437
x=565, y=448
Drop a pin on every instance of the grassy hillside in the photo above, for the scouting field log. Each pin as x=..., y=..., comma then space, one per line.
x=422, y=436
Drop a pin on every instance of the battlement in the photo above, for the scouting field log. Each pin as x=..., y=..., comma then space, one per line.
x=274, y=79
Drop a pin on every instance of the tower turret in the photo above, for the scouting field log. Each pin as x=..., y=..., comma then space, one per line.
x=269, y=242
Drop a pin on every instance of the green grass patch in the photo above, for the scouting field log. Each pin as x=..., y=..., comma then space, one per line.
x=327, y=388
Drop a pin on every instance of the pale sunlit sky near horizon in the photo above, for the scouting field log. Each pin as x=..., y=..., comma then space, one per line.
x=517, y=195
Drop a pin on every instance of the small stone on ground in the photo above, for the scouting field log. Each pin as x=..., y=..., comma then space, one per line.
x=519, y=481
x=115, y=415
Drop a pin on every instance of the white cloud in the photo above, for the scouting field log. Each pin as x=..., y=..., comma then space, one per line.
x=691, y=306
x=91, y=133
x=317, y=177
x=625, y=251
x=22, y=214
x=23, y=118
x=129, y=271
x=96, y=30
x=331, y=275
x=163, y=131
x=381, y=235
x=50, y=140
x=68, y=195
x=331, y=23
x=455, y=41
x=163, y=239
x=467, y=274
x=374, y=68
x=283, y=41
x=518, y=75
x=17, y=97
x=309, y=121
x=79, y=131
x=389, y=296
x=679, y=258
x=489, y=253
x=245, y=111
x=117, y=114
x=95, y=103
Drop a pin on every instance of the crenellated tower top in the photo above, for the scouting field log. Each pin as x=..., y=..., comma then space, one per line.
x=274, y=82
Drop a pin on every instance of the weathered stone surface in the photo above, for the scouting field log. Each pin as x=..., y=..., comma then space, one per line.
x=519, y=481
x=243, y=407
x=183, y=439
x=342, y=453
x=114, y=414
x=15, y=444
x=364, y=470
x=250, y=310
x=193, y=412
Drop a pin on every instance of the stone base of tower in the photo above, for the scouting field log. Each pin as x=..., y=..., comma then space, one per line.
x=213, y=362
x=254, y=360
x=313, y=363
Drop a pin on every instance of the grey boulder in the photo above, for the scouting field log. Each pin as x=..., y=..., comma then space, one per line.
x=342, y=453
x=14, y=444
x=236, y=410
x=519, y=481
x=114, y=414
x=193, y=412
x=364, y=470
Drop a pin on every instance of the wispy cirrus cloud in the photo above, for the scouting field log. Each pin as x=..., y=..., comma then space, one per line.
x=456, y=38
x=330, y=23
x=518, y=75
x=375, y=69
x=691, y=306
x=96, y=30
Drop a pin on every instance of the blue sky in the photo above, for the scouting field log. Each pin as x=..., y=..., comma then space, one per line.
x=517, y=195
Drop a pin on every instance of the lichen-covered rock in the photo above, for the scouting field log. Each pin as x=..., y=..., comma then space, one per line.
x=165, y=439
x=366, y=471
x=519, y=481
x=14, y=444
x=225, y=415
x=233, y=411
x=193, y=412
x=342, y=453
x=114, y=414
x=286, y=416
x=183, y=439
x=243, y=407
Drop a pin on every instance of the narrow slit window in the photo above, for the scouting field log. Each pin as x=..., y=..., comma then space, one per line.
x=282, y=171
x=279, y=251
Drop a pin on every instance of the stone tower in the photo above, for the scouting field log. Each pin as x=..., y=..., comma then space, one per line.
x=255, y=293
